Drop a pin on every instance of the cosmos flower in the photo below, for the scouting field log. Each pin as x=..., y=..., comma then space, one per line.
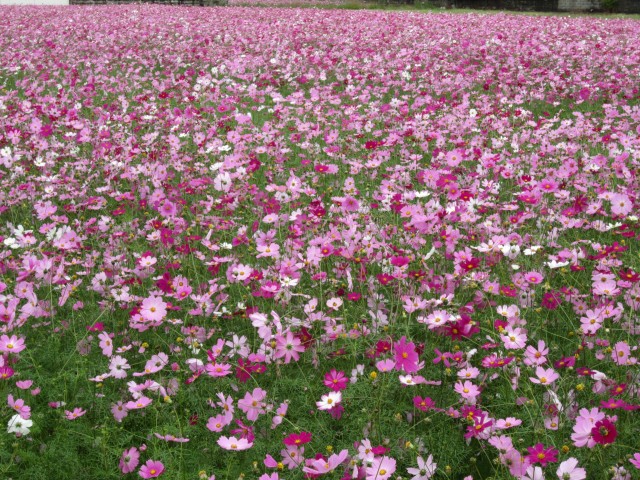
x=234, y=444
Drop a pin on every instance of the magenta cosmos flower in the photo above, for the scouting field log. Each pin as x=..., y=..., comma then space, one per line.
x=297, y=438
x=406, y=356
x=336, y=380
x=151, y=469
x=604, y=432
x=539, y=454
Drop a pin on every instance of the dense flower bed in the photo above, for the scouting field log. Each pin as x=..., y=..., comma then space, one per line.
x=282, y=244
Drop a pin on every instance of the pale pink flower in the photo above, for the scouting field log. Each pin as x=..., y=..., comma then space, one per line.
x=129, y=460
x=76, y=413
x=545, y=376
x=321, y=466
x=426, y=469
x=569, y=470
x=12, y=344
x=253, y=403
x=234, y=444
x=381, y=468
x=153, y=309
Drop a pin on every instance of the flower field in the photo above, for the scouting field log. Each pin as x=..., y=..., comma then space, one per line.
x=282, y=244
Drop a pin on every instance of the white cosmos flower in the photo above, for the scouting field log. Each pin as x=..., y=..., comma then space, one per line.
x=554, y=264
x=510, y=251
x=19, y=425
x=532, y=250
x=327, y=402
x=421, y=194
x=11, y=242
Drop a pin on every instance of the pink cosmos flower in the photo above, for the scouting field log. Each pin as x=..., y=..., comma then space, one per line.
x=217, y=423
x=171, y=438
x=288, y=347
x=234, y=444
x=119, y=411
x=385, y=365
x=515, y=462
x=321, y=466
x=20, y=408
x=118, y=367
x=218, y=369
x=534, y=278
x=545, y=376
x=467, y=390
x=536, y=356
x=514, y=339
x=243, y=431
x=582, y=430
x=106, y=344
x=280, y=414
x=506, y=423
x=635, y=460
x=76, y=413
x=271, y=250
x=6, y=372
x=24, y=384
x=569, y=470
x=129, y=460
x=151, y=469
x=12, y=344
x=268, y=476
x=621, y=205
x=252, y=404
x=292, y=456
x=141, y=402
x=621, y=354
x=426, y=469
x=381, y=468
x=153, y=309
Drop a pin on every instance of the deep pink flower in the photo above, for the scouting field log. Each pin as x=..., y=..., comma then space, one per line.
x=604, y=432
x=336, y=380
x=424, y=404
x=405, y=356
x=539, y=454
x=297, y=438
